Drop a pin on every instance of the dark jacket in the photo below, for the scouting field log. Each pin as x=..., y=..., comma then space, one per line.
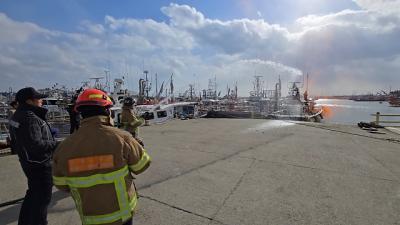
x=31, y=136
x=74, y=118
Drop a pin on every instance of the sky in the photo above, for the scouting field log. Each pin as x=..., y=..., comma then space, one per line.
x=346, y=46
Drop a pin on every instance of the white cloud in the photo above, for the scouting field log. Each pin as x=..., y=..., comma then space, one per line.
x=159, y=35
x=231, y=37
x=373, y=21
x=13, y=32
x=92, y=28
x=335, y=49
x=385, y=6
x=183, y=16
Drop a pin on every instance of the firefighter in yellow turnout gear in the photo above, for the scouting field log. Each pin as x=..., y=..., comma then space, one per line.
x=95, y=164
x=129, y=120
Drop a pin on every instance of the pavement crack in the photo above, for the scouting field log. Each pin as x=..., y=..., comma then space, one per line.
x=180, y=209
x=233, y=189
x=321, y=169
x=217, y=160
x=376, y=159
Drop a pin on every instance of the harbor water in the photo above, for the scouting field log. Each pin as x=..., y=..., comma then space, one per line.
x=352, y=112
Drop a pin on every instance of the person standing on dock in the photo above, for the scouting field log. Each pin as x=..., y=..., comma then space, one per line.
x=10, y=113
x=32, y=139
x=129, y=120
x=74, y=117
x=95, y=164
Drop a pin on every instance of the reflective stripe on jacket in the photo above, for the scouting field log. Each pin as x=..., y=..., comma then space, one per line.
x=96, y=164
x=130, y=122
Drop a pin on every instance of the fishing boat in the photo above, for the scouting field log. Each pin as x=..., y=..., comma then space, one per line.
x=56, y=109
x=165, y=111
x=3, y=121
x=394, y=98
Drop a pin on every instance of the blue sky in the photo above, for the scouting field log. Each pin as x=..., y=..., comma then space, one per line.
x=66, y=15
x=338, y=42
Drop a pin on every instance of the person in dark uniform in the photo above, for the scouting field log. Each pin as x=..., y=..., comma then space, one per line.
x=11, y=111
x=74, y=117
x=32, y=139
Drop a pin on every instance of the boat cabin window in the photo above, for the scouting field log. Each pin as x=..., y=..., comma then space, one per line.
x=161, y=114
x=148, y=115
x=188, y=109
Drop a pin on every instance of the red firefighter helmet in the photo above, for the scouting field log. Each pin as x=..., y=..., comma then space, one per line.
x=93, y=97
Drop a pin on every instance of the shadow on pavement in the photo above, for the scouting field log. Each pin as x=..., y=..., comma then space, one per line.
x=9, y=214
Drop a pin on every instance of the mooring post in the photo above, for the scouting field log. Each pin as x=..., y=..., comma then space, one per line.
x=377, y=118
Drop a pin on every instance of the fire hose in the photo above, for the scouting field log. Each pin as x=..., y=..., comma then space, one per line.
x=12, y=202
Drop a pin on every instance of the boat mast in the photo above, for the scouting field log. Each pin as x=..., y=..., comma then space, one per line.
x=156, y=85
x=146, y=83
x=307, y=84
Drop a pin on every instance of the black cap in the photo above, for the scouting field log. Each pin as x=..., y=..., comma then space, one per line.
x=28, y=93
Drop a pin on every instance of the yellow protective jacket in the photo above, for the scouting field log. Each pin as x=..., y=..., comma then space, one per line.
x=130, y=122
x=96, y=164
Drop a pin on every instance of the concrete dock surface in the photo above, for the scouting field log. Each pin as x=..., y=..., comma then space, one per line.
x=250, y=172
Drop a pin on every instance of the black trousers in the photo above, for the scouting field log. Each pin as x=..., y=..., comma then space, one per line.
x=129, y=222
x=38, y=196
x=74, y=126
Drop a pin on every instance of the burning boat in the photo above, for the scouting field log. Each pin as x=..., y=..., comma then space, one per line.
x=269, y=104
x=394, y=98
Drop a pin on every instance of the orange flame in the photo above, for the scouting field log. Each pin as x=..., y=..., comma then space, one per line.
x=327, y=112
